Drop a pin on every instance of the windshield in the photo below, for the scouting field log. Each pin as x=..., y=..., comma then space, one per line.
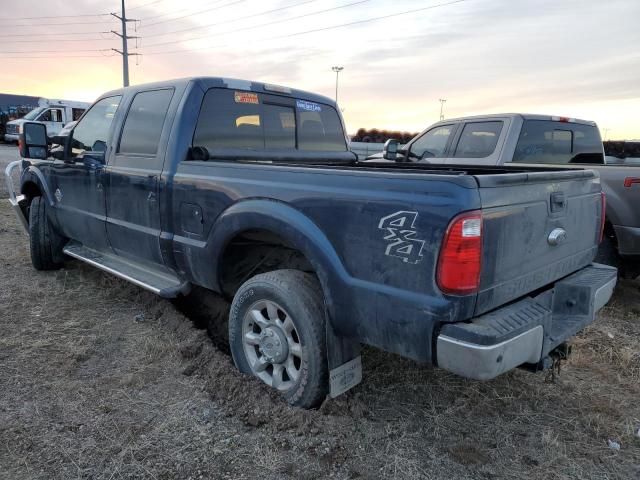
x=34, y=113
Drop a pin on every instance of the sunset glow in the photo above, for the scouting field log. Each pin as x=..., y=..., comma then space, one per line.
x=569, y=57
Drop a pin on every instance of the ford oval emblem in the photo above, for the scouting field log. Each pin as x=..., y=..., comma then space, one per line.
x=557, y=236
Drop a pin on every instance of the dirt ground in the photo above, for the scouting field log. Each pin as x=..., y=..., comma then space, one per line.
x=101, y=380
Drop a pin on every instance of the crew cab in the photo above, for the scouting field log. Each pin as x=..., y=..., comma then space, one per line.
x=523, y=139
x=250, y=190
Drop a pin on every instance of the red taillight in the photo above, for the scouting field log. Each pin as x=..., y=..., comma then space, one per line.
x=461, y=255
x=629, y=181
x=603, y=215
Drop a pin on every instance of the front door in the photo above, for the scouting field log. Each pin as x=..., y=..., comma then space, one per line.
x=133, y=208
x=53, y=119
x=78, y=181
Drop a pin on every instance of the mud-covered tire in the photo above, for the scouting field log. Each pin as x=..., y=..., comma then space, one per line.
x=45, y=244
x=300, y=295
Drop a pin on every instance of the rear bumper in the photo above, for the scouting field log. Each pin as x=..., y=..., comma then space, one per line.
x=628, y=240
x=525, y=331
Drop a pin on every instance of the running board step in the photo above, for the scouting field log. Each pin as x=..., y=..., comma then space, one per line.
x=160, y=283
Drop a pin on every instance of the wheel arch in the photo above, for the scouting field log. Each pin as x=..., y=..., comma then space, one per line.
x=294, y=230
x=34, y=184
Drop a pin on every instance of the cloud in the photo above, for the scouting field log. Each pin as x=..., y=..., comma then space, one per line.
x=482, y=55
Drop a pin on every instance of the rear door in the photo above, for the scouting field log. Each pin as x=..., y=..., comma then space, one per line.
x=132, y=207
x=538, y=228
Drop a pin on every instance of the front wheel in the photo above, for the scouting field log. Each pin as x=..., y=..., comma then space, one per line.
x=44, y=243
x=277, y=333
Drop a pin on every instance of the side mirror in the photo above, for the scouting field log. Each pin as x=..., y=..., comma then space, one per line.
x=91, y=159
x=33, y=141
x=390, y=149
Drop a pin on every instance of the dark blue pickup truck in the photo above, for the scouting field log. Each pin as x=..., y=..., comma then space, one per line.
x=250, y=190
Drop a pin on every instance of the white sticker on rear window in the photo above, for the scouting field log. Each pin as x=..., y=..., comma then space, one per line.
x=308, y=106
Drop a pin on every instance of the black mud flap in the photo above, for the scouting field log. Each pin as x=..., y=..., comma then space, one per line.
x=345, y=362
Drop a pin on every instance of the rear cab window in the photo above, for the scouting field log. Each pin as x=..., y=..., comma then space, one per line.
x=555, y=142
x=233, y=121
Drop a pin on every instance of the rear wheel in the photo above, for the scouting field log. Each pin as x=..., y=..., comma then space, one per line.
x=277, y=333
x=45, y=244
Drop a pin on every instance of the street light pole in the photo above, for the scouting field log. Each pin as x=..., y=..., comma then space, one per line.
x=442, y=100
x=337, y=70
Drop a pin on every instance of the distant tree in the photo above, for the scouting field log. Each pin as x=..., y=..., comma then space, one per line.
x=375, y=135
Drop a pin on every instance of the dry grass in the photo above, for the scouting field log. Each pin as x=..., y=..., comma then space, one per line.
x=88, y=391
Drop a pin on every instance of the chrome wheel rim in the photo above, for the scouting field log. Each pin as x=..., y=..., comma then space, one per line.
x=272, y=345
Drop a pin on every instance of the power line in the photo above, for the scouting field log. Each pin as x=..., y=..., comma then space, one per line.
x=57, y=34
x=21, y=57
x=56, y=51
x=305, y=32
x=146, y=5
x=101, y=39
x=191, y=14
x=282, y=20
x=215, y=3
x=102, y=22
x=56, y=16
x=233, y=20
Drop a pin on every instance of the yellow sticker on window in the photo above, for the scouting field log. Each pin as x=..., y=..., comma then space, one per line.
x=246, y=97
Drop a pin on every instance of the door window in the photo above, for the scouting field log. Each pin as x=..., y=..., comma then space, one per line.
x=51, y=115
x=478, y=139
x=143, y=126
x=76, y=113
x=91, y=133
x=431, y=144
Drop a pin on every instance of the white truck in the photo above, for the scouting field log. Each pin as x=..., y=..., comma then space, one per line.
x=523, y=139
x=53, y=113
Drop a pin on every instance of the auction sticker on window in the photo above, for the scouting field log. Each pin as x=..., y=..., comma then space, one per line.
x=308, y=106
x=246, y=97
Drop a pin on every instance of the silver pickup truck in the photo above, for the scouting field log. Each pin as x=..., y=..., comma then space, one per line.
x=539, y=139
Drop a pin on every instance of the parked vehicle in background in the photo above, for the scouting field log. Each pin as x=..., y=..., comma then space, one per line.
x=249, y=190
x=520, y=139
x=13, y=107
x=54, y=114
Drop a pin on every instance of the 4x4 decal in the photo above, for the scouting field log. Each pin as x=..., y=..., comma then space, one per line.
x=401, y=233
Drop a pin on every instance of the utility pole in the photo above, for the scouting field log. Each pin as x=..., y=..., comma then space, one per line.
x=125, y=49
x=337, y=70
x=442, y=100
x=606, y=133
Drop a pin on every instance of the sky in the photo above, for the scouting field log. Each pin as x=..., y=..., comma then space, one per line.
x=575, y=58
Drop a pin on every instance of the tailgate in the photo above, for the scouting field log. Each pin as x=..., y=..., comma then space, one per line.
x=538, y=227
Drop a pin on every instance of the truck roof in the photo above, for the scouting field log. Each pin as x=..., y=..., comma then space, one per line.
x=232, y=83
x=53, y=102
x=524, y=116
